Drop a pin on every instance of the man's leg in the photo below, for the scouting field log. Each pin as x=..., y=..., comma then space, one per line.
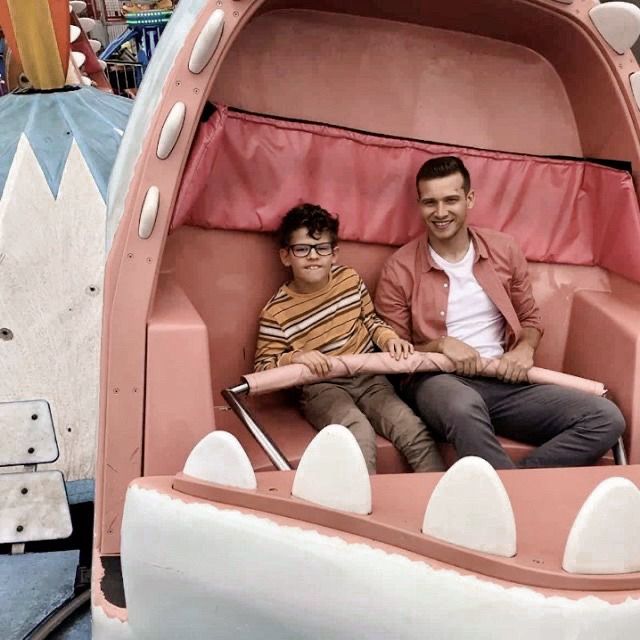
x=394, y=420
x=571, y=428
x=453, y=409
x=326, y=403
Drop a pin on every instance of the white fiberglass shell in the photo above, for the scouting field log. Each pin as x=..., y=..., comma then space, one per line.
x=222, y=573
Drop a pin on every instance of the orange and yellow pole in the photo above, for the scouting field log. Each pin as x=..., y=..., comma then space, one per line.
x=37, y=32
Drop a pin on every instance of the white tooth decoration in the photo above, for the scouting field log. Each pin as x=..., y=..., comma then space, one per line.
x=207, y=42
x=220, y=458
x=78, y=58
x=78, y=6
x=96, y=45
x=470, y=508
x=333, y=473
x=618, y=23
x=634, y=80
x=171, y=130
x=86, y=81
x=74, y=32
x=87, y=24
x=605, y=536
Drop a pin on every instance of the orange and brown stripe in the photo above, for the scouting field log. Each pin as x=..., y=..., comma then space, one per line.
x=337, y=320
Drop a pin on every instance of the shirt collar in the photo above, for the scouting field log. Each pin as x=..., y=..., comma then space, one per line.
x=479, y=246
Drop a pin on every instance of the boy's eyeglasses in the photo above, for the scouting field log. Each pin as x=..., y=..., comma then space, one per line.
x=303, y=250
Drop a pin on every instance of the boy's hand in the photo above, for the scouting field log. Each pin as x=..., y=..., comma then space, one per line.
x=316, y=361
x=398, y=348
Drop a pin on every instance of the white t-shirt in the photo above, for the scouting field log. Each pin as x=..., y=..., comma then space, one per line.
x=471, y=315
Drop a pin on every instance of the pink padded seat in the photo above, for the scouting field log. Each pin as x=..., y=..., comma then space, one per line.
x=247, y=262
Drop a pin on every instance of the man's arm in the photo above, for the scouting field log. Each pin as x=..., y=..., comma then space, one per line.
x=467, y=360
x=516, y=362
x=521, y=294
x=392, y=303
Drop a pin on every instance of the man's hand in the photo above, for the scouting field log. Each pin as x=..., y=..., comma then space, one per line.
x=515, y=364
x=467, y=360
x=398, y=348
x=316, y=361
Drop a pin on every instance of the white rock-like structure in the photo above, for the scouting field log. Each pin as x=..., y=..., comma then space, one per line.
x=59, y=150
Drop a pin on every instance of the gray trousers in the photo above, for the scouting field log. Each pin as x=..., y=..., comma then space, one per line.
x=568, y=427
x=367, y=405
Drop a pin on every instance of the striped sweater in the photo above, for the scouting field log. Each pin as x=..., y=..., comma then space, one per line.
x=336, y=320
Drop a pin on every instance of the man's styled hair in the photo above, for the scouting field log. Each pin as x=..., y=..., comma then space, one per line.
x=441, y=168
x=313, y=218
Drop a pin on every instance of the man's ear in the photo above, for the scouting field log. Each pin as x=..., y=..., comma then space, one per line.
x=471, y=199
x=334, y=257
x=285, y=258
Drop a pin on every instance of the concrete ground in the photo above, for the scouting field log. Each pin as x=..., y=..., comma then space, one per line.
x=34, y=584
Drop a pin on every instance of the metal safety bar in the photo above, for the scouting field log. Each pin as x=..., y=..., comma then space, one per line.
x=232, y=396
x=619, y=452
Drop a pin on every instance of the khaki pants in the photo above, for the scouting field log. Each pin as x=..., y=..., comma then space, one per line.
x=367, y=405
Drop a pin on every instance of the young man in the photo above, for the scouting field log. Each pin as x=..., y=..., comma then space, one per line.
x=326, y=310
x=465, y=292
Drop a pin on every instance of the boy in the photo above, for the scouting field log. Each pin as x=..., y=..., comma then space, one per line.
x=326, y=310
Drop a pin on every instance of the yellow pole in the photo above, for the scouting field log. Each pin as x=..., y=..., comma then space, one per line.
x=37, y=45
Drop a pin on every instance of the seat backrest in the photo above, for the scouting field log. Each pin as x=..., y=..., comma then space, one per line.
x=230, y=275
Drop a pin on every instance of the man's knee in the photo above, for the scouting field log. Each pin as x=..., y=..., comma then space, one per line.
x=602, y=423
x=610, y=416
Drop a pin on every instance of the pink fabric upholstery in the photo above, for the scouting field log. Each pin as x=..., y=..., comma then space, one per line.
x=244, y=171
x=295, y=375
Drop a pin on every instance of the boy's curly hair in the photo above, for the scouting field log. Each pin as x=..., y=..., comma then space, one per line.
x=313, y=218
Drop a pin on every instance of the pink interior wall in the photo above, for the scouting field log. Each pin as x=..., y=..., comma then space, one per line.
x=545, y=82
x=399, y=79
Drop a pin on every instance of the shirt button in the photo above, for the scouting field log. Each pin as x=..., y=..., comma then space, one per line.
x=445, y=285
x=442, y=313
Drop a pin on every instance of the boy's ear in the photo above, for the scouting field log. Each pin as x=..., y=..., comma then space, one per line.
x=334, y=257
x=285, y=258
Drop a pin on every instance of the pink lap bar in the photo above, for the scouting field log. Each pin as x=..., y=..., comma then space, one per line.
x=294, y=375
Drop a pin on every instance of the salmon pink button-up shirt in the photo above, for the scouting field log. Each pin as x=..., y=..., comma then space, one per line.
x=413, y=292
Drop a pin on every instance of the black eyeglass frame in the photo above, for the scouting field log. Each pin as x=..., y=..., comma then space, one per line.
x=327, y=249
